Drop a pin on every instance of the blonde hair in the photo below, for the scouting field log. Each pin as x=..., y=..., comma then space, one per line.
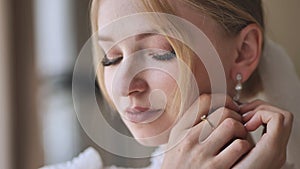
x=232, y=15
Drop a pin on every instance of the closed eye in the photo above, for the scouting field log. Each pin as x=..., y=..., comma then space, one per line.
x=165, y=56
x=110, y=62
x=160, y=57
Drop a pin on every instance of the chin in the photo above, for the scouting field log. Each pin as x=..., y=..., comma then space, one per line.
x=149, y=140
x=151, y=134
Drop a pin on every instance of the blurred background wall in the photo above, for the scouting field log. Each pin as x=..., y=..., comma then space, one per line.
x=283, y=26
x=5, y=109
x=39, y=42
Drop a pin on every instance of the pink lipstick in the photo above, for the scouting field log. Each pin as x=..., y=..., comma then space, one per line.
x=139, y=114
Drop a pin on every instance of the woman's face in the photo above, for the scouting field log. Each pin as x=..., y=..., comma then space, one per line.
x=144, y=97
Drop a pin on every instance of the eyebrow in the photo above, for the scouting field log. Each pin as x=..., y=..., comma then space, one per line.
x=137, y=37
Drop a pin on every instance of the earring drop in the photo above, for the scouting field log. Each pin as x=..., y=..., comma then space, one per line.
x=238, y=87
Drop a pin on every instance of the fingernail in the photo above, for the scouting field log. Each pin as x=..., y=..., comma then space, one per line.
x=236, y=103
x=246, y=114
x=243, y=104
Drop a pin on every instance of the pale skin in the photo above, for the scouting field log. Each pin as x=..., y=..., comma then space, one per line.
x=227, y=143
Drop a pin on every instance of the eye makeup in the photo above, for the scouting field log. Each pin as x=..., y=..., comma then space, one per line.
x=109, y=62
x=166, y=56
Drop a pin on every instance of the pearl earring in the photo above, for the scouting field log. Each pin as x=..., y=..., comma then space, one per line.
x=238, y=87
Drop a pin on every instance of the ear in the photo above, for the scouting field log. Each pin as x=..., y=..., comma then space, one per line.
x=249, y=47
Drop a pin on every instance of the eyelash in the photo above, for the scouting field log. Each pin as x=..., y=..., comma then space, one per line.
x=160, y=57
x=109, y=62
x=165, y=57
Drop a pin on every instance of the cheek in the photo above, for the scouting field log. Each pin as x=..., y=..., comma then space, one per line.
x=161, y=81
x=201, y=76
x=162, y=90
x=108, y=74
x=227, y=53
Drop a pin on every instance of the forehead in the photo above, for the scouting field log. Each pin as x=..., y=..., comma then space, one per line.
x=110, y=10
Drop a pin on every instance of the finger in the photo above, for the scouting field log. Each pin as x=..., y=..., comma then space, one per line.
x=199, y=108
x=273, y=121
x=221, y=100
x=247, y=116
x=202, y=106
x=221, y=107
x=251, y=106
x=192, y=115
x=288, y=116
x=204, y=129
x=228, y=130
x=231, y=154
x=223, y=113
x=218, y=101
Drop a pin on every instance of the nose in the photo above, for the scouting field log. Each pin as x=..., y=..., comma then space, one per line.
x=128, y=86
x=130, y=78
x=137, y=86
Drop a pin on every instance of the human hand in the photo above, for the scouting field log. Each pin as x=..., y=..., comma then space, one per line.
x=270, y=151
x=223, y=147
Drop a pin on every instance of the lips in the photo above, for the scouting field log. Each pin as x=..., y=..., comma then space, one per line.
x=142, y=114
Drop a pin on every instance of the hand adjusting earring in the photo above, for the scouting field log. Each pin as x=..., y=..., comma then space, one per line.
x=238, y=87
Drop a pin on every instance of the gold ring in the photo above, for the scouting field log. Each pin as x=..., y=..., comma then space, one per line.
x=204, y=118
